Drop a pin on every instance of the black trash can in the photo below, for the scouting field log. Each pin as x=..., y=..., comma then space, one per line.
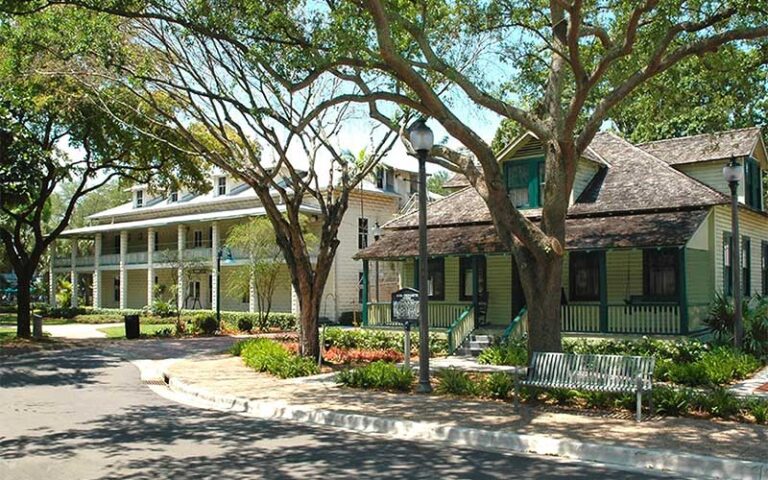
x=132, y=326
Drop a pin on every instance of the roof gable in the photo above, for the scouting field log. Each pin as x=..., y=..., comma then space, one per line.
x=707, y=147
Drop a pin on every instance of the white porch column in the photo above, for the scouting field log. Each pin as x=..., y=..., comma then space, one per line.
x=96, y=272
x=214, y=259
x=73, y=272
x=150, y=266
x=51, y=282
x=295, y=307
x=123, y=269
x=252, y=301
x=181, y=237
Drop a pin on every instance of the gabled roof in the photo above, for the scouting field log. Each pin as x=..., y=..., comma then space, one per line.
x=639, y=181
x=705, y=147
x=635, y=182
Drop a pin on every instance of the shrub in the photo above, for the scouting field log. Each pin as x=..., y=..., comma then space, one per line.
x=162, y=308
x=719, y=402
x=759, y=410
x=498, y=385
x=691, y=374
x=204, y=323
x=164, y=332
x=597, y=399
x=452, y=381
x=380, y=375
x=244, y=324
x=672, y=401
x=512, y=352
x=562, y=396
x=275, y=321
x=348, y=338
x=265, y=355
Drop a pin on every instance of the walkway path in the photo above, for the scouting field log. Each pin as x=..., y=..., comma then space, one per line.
x=78, y=330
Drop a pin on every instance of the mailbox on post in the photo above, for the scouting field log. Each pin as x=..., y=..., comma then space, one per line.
x=405, y=310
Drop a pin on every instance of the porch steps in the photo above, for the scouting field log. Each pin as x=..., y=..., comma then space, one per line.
x=475, y=344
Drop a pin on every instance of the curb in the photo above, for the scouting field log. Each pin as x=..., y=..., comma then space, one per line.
x=698, y=466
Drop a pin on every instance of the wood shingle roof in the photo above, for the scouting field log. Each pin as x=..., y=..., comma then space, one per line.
x=705, y=147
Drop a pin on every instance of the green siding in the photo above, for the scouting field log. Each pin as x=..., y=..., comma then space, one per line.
x=499, y=289
x=701, y=284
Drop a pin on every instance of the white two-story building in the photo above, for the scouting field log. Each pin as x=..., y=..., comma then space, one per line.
x=131, y=254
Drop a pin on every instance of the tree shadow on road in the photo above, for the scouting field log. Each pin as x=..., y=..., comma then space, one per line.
x=59, y=368
x=179, y=442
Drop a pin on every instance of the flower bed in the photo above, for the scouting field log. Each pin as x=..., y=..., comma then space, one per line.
x=265, y=355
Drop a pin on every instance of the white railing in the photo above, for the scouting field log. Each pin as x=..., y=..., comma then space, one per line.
x=460, y=329
x=441, y=314
x=580, y=318
x=650, y=318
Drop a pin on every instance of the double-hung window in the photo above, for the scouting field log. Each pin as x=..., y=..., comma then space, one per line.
x=362, y=232
x=584, y=276
x=465, y=277
x=139, y=198
x=197, y=239
x=221, y=186
x=753, y=180
x=525, y=181
x=174, y=196
x=661, y=268
x=116, y=285
x=436, y=278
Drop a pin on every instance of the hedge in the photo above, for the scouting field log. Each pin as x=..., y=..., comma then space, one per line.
x=355, y=338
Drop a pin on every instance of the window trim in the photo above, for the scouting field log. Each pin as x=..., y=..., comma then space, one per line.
x=363, y=230
x=195, y=235
x=572, y=256
x=139, y=200
x=535, y=181
x=433, y=265
x=220, y=186
x=174, y=196
x=466, y=263
x=647, y=274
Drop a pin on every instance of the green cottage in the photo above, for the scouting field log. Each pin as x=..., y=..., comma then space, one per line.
x=648, y=239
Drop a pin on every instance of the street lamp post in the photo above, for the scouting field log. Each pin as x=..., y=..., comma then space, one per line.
x=733, y=173
x=422, y=140
x=227, y=259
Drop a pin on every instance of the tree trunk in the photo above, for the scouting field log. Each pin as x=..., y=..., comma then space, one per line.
x=24, y=305
x=309, y=301
x=542, y=283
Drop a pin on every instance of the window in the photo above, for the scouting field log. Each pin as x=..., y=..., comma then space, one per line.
x=727, y=271
x=362, y=232
x=385, y=179
x=197, y=239
x=139, y=198
x=753, y=195
x=660, y=272
x=584, y=276
x=194, y=291
x=116, y=243
x=525, y=181
x=360, y=288
x=221, y=188
x=764, y=266
x=157, y=241
x=746, y=267
x=436, y=275
x=465, y=277
x=174, y=196
x=157, y=279
x=116, y=285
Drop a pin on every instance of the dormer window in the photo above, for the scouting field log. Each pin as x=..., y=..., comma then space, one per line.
x=221, y=186
x=174, y=197
x=385, y=179
x=139, y=198
x=525, y=182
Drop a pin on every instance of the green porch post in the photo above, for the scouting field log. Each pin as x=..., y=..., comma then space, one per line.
x=603, y=279
x=365, y=293
x=683, y=292
x=475, y=285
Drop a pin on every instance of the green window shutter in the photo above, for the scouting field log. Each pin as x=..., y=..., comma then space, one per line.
x=727, y=263
x=746, y=265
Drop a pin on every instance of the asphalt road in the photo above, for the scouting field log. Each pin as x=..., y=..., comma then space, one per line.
x=83, y=414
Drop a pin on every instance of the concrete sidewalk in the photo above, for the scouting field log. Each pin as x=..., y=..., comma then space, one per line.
x=686, y=444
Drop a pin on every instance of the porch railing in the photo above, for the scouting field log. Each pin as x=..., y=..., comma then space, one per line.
x=655, y=318
x=518, y=327
x=460, y=329
x=441, y=314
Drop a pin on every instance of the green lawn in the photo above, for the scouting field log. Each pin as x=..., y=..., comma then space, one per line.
x=10, y=319
x=148, y=330
x=7, y=334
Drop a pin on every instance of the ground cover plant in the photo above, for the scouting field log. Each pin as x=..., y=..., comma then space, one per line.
x=270, y=356
x=378, y=375
x=146, y=330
